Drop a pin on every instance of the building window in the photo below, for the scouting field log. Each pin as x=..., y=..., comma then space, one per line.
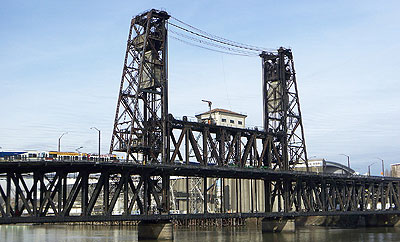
x=231, y=121
x=224, y=120
x=240, y=122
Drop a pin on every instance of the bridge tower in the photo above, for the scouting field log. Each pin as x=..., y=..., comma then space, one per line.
x=140, y=126
x=282, y=115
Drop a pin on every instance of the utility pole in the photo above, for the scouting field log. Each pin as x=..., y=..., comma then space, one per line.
x=99, y=139
x=59, y=141
x=369, y=169
x=348, y=159
x=383, y=166
x=209, y=106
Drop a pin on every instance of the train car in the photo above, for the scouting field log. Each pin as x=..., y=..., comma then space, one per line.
x=30, y=155
x=33, y=155
x=104, y=158
x=10, y=155
x=67, y=156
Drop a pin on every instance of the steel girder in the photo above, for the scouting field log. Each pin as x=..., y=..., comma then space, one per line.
x=193, y=142
x=58, y=193
x=85, y=191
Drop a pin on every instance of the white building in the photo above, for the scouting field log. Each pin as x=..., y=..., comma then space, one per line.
x=324, y=166
x=223, y=117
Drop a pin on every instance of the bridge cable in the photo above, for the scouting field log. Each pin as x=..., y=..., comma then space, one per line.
x=203, y=47
x=202, y=41
x=215, y=40
x=220, y=39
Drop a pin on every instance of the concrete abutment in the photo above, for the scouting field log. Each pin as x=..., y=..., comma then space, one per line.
x=270, y=225
x=155, y=230
x=350, y=221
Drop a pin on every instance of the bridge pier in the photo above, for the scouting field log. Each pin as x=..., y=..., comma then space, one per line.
x=278, y=225
x=350, y=221
x=382, y=220
x=155, y=230
x=340, y=221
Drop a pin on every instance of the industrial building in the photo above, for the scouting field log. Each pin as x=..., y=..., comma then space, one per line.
x=395, y=170
x=222, y=117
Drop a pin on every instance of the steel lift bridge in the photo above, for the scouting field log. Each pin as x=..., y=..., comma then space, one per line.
x=157, y=147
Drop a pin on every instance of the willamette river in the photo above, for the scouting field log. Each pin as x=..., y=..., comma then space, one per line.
x=31, y=233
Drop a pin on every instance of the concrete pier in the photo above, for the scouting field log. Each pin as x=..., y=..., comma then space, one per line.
x=350, y=221
x=155, y=230
x=278, y=225
x=382, y=220
x=343, y=221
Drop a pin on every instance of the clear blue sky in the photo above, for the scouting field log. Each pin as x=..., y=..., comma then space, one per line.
x=61, y=62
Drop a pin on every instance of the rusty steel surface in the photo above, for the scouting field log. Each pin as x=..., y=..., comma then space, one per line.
x=79, y=191
x=256, y=165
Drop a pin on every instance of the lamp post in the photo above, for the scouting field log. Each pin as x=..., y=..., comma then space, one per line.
x=348, y=159
x=59, y=141
x=383, y=166
x=209, y=105
x=99, y=139
x=369, y=169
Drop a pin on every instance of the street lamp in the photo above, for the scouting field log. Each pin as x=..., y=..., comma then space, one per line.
x=59, y=140
x=369, y=169
x=383, y=166
x=209, y=105
x=99, y=139
x=348, y=160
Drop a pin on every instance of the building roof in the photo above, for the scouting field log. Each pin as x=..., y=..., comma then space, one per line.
x=220, y=110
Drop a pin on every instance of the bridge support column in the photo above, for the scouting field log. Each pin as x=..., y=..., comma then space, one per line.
x=382, y=220
x=155, y=230
x=278, y=225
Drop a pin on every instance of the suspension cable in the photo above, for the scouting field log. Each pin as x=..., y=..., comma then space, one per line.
x=203, y=47
x=216, y=38
x=202, y=41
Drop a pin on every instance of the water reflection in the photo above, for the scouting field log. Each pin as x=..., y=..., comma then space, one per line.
x=30, y=233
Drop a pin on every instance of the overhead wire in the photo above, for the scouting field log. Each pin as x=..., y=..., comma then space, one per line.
x=215, y=40
x=200, y=33
x=202, y=41
x=203, y=47
x=218, y=37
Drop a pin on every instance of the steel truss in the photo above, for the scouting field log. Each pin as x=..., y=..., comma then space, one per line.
x=142, y=107
x=282, y=114
x=158, y=146
x=147, y=134
x=85, y=191
x=193, y=142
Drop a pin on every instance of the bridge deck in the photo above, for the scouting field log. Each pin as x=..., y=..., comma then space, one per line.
x=178, y=170
x=38, y=192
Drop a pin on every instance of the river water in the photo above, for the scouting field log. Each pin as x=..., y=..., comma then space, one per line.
x=31, y=233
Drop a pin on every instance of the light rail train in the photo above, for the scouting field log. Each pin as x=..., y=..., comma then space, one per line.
x=55, y=155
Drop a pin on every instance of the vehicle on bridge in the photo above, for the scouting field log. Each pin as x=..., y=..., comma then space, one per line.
x=54, y=155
